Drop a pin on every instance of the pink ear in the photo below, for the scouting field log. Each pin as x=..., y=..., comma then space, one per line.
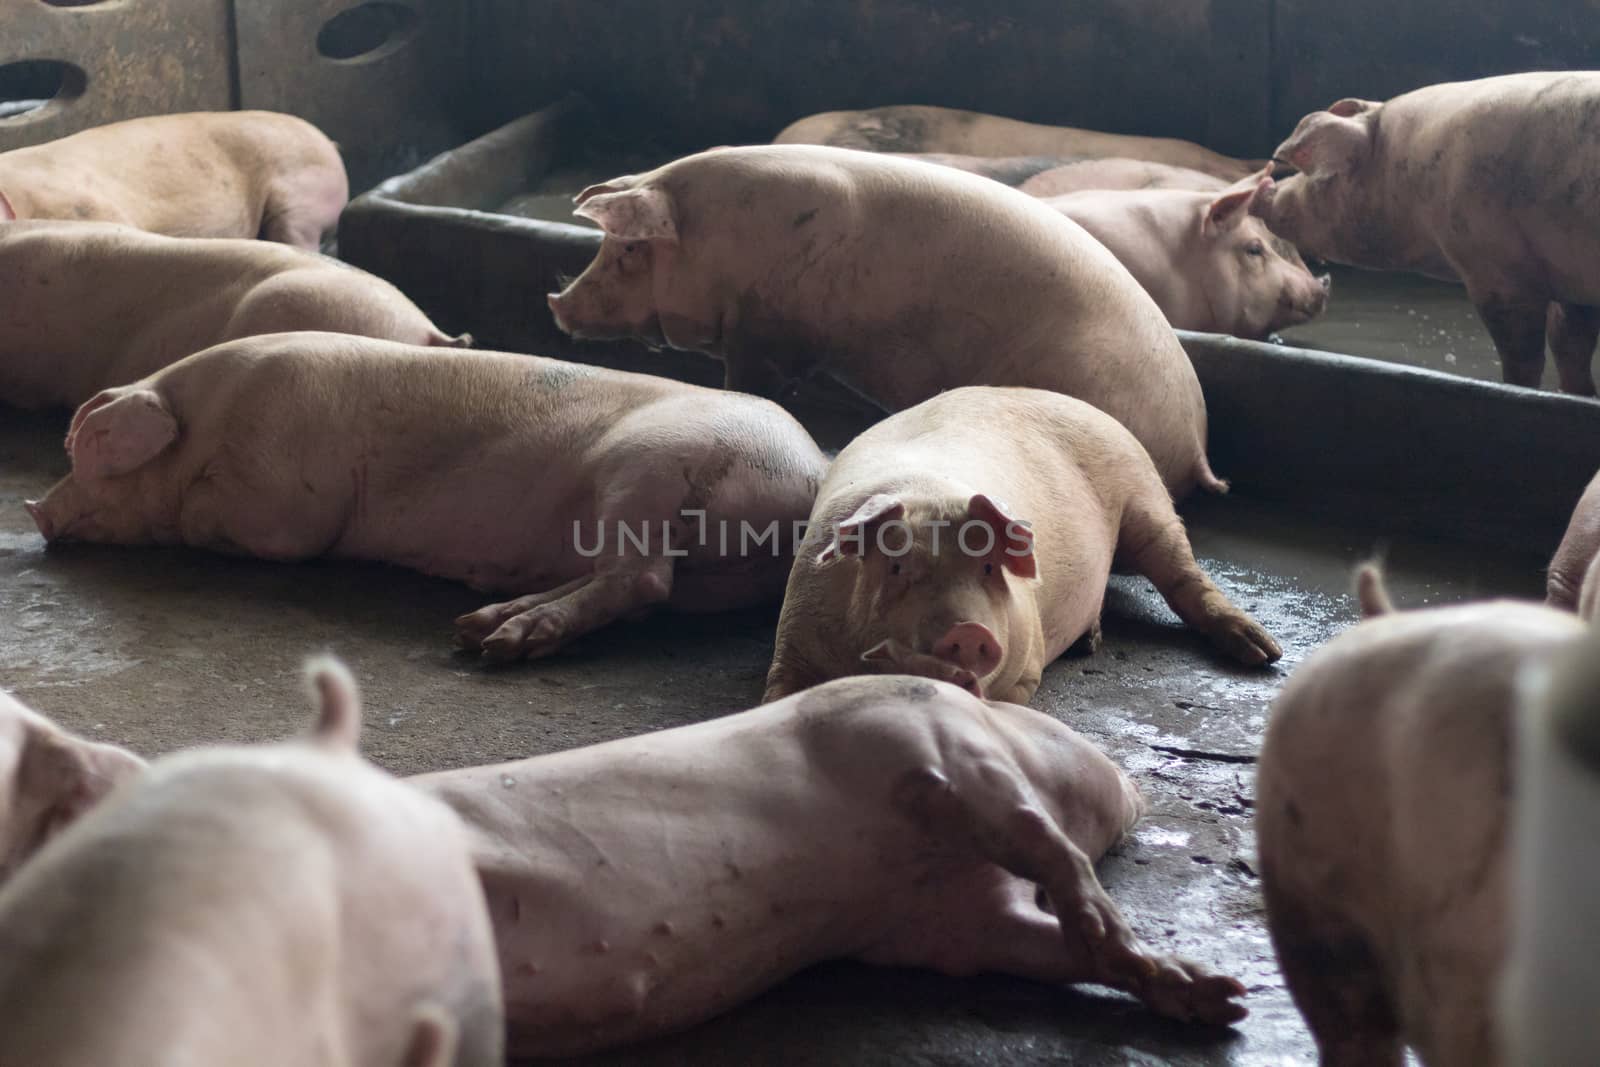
x=1326, y=143
x=1013, y=539
x=1232, y=205
x=856, y=532
x=643, y=214
x=7, y=212
x=1350, y=107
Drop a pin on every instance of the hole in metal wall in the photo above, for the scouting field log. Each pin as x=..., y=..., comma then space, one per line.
x=367, y=31
x=30, y=85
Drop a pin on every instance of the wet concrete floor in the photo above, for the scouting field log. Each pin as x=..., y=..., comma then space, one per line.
x=160, y=649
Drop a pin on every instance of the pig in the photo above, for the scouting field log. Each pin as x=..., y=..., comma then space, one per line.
x=941, y=129
x=644, y=885
x=1381, y=818
x=1550, y=979
x=282, y=904
x=1487, y=182
x=1083, y=175
x=1566, y=582
x=48, y=778
x=96, y=305
x=603, y=493
x=969, y=539
x=206, y=174
x=900, y=279
x=1205, y=261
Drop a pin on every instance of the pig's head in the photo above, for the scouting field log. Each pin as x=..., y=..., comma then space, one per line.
x=615, y=297
x=1328, y=204
x=942, y=587
x=1254, y=281
x=48, y=778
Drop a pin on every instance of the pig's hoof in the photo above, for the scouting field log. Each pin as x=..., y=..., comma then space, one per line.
x=1246, y=641
x=1193, y=993
x=531, y=636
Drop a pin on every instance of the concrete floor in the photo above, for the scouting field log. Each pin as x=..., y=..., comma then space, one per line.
x=159, y=649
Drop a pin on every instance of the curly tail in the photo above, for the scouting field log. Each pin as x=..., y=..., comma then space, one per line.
x=1370, y=591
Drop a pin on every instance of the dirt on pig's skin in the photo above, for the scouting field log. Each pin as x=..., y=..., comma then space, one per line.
x=160, y=649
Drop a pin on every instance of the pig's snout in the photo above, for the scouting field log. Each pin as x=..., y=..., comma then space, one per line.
x=971, y=646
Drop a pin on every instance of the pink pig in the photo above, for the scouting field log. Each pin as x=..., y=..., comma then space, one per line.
x=1207, y=263
x=900, y=278
x=206, y=174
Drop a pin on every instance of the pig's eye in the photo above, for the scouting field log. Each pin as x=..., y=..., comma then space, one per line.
x=988, y=568
x=894, y=568
x=631, y=246
x=1255, y=248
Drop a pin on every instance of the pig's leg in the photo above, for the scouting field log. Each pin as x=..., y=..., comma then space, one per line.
x=1336, y=978
x=1153, y=542
x=1573, y=329
x=982, y=797
x=620, y=587
x=1517, y=327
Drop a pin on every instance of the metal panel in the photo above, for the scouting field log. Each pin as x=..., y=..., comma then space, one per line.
x=140, y=57
x=389, y=108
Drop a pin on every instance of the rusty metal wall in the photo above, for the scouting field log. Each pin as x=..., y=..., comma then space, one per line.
x=139, y=57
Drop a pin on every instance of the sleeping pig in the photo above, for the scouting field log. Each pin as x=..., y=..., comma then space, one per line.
x=943, y=129
x=1489, y=182
x=1381, y=815
x=97, y=304
x=900, y=278
x=207, y=174
x=641, y=886
x=1114, y=173
x=605, y=494
x=272, y=905
x=969, y=539
x=1208, y=265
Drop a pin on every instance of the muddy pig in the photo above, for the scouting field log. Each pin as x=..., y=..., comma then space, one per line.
x=901, y=279
x=95, y=305
x=946, y=130
x=897, y=821
x=1083, y=175
x=207, y=174
x=603, y=493
x=282, y=904
x=1381, y=815
x=1487, y=182
x=1566, y=583
x=970, y=539
x=1205, y=261
x=48, y=778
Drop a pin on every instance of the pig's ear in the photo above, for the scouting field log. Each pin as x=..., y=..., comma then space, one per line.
x=619, y=184
x=1326, y=144
x=1232, y=205
x=1350, y=107
x=75, y=774
x=7, y=212
x=1013, y=538
x=338, y=703
x=882, y=652
x=855, y=533
x=643, y=214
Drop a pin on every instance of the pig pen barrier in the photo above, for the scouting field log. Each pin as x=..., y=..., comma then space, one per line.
x=1332, y=436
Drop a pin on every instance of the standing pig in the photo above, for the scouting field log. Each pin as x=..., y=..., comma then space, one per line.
x=1083, y=175
x=1381, y=814
x=207, y=174
x=942, y=129
x=606, y=493
x=277, y=905
x=1567, y=585
x=970, y=539
x=902, y=279
x=1489, y=182
x=641, y=886
x=48, y=778
x=1207, y=264
x=94, y=305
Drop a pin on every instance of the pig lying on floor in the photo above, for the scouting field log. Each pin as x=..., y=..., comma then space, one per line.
x=285, y=904
x=96, y=305
x=1381, y=815
x=1205, y=261
x=607, y=493
x=947, y=130
x=1044, y=176
x=970, y=539
x=899, y=278
x=1488, y=182
x=644, y=885
x=207, y=174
